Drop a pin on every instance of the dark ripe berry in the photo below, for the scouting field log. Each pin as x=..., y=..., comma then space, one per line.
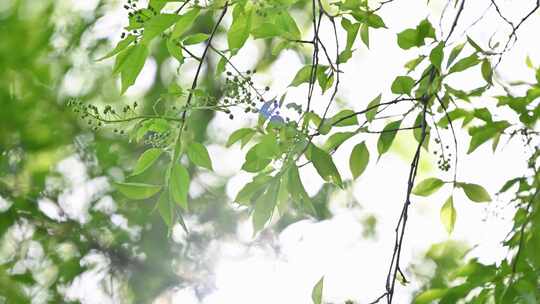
x=231, y=116
x=229, y=73
x=248, y=72
x=266, y=88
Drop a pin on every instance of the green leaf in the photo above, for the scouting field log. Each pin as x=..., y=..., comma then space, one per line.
x=417, y=132
x=529, y=63
x=283, y=194
x=132, y=64
x=220, y=67
x=239, y=31
x=122, y=45
x=359, y=159
x=175, y=50
x=146, y=160
x=325, y=80
x=266, y=30
x=304, y=75
x=429, y=296
x=254, y=162
x=297, y=190
x=289, y=28
x=157, y=25
x=184, y=23
x=195, y=38
x=246, y=194
x=344, y=56
x=448, y=215
x=387, y=137
x=464, y=64
x=408, y=39
x=137, y=191
x=179, y=185
x=509, y=184
x=198, y=154
x=482, y=134
x=157, y=5
x=364, y=34
x=370, y=115
x=454, y=53
x=436, y=55
x=402, y=85
x=243, y=135
x=351, y=119
x=352, y=32
x=324, y=165
x=487, y=72
x=265, y=205
x=416, y=37
x=369, y=18
x=412, y=64
x=475, y=45
x=165, y=208
x=428, y=186
x=474, y=192
x=268, y=147
x=336, y=140
x=317, y=292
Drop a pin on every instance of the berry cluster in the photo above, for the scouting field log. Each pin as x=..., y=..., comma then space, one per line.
x=139, y=16
x=157, y=139
x=239, y=90
x=96, y=118
x=444, y=159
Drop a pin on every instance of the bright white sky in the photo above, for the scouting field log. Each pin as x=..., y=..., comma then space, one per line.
x=354, y=268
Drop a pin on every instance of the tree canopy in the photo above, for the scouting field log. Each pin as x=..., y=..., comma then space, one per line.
x=111, y=146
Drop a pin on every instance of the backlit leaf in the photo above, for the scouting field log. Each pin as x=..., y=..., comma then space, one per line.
x=448, y=215
x=402, y=85
x=474, y=192
x=179, y=185
x=198, y=154
x=387, y=137
x=265, y=205
x=137, y=191
x=146, y=160
x=325, y=165
x=428, y=186
x=317, y=292
x=359, y=159
x=373, y=105
x=184, y=23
